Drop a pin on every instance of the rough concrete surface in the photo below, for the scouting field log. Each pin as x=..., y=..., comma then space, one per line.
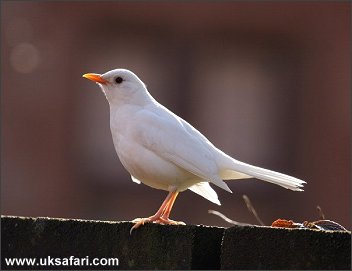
x=278, y=248
x=171, y=247
x=151, y=246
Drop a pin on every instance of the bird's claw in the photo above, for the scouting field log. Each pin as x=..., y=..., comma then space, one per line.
x=167, y=221
x=159, y=220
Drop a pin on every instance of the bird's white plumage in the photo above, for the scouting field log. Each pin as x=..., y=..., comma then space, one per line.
x=164, y=151
x=204, y=189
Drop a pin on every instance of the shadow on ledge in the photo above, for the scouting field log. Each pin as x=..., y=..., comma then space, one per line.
x=47, y=243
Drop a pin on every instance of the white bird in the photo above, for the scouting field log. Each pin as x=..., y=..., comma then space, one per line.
x=161, y=150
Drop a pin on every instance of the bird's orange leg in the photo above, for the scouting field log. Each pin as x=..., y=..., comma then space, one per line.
x=162, y=215
x=164, y=218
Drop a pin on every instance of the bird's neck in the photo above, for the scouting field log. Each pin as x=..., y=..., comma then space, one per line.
x=141, y=99
x=126, y=108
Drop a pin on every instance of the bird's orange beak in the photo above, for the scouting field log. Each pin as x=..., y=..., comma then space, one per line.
x=95, y=77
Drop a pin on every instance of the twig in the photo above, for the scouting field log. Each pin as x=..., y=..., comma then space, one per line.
x=228, y=220
x=251, y=209
x=321, y=214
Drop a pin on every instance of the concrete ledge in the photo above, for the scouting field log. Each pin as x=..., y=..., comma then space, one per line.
x=279, y=248
x=172, y=247
x=150, y=247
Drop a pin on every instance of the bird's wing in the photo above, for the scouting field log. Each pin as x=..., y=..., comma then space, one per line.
x=171, y=138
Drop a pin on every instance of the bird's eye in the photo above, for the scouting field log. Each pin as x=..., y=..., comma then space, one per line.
x=118, y=80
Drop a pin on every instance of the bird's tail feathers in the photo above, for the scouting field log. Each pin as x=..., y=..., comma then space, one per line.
x=237, y=169
x=230, y=174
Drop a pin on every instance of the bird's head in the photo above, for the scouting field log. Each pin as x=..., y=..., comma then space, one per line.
x=120, y=86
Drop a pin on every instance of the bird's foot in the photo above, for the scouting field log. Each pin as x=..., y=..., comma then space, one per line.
x=168, y=221
x=154, y=219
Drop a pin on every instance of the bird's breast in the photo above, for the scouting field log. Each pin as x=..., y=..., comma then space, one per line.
x=143, y=163
x=150, y=168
